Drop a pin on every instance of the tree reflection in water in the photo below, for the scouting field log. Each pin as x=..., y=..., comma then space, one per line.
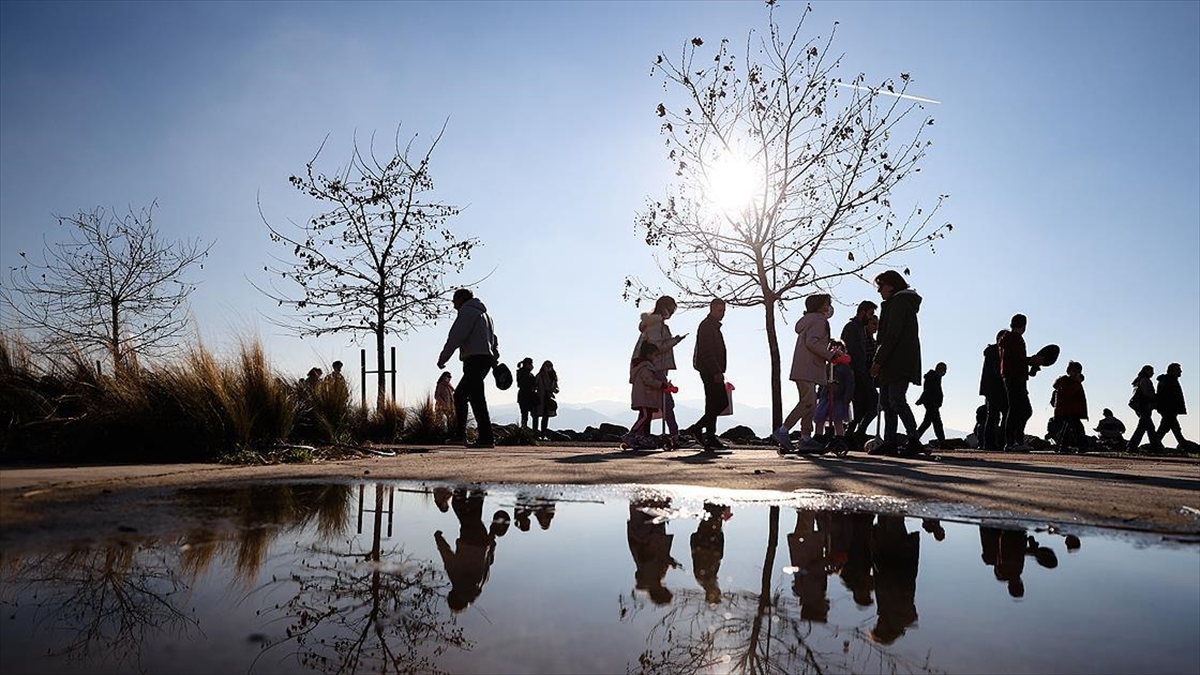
x=354, y=609
x=351, y=608
x=106, y=601
x=765, y=631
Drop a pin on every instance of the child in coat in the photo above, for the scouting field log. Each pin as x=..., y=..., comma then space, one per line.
x=443, y=397
x=834, y=397
x=646, y=394
x=1070, y=408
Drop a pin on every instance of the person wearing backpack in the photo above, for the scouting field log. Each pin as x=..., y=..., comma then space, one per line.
x=474, y=337
x=1142, y=402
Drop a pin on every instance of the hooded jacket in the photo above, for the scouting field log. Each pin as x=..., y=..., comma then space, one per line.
x=654, y=329
x=991, y=384
x=1069, y=399
x=812, y=348
x=899, y=343
x=931, y=395
x=472, y=333
x=1169, y=399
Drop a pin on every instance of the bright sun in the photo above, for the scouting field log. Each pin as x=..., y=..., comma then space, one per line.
x=733, y=183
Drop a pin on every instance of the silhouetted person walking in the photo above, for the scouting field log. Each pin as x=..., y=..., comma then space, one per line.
x=709, y=360
x=1143, y=404
x=897, y=359
x=806, y=548
x=932, y=398
x=652, y=327
x=1170, y=403
x=1070, y=408
x=474, y=337
x=995, y=396
x=866, y=397
x=809, y=359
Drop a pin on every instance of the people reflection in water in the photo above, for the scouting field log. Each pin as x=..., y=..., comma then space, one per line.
x=934, y=526
x=708, y=548
x=856, y=572
x=651, y=548
x=895, y=553
x=528, y=507
x=441, y=497
x=468, y=563
x=1005, y=551
x=806, y=544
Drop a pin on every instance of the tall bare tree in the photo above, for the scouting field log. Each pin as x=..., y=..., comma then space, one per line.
x=375, y=261
x=114, y=285
x=784, y=175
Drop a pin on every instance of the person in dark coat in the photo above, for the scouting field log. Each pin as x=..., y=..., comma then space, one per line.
x=866, y=397
x=932, y=398
x=709, y=360
x=1169, y=399
x=991, y=388
x=527, y=392
x=897, y=359
x=1143, y=404
x=1015, y=370
x=1111, y=429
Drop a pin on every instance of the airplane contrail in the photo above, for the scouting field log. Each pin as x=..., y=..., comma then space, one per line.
x=881, y=90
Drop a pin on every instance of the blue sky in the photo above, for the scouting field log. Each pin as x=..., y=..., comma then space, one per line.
x=1068, y=136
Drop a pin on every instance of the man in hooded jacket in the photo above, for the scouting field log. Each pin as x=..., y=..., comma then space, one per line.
x=897, y=360
x=473, y=335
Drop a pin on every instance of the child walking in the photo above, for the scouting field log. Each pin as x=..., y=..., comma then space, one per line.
x=443, y=397
x=646, y=394
x=834, y=398
x=1070, y=408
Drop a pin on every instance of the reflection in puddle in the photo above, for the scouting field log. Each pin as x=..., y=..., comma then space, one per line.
x=393, y=577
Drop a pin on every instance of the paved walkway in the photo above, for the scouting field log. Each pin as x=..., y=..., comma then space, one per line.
x=1143, y=493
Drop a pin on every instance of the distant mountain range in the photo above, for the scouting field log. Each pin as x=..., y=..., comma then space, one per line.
x=579, y=416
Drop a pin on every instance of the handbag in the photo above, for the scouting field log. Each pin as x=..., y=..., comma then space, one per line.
x=504, y=376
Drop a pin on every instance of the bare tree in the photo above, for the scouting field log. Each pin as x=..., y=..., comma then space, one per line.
x=114, y=285
x=784, y=176
x=375, y=262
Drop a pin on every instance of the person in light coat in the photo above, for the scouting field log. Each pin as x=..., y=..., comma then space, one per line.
x=808, y=369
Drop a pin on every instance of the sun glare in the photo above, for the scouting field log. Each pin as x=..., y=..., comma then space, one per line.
x=733, y=184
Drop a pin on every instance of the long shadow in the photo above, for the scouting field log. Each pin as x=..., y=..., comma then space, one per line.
x=598, y=457
x=1157, y=481
x=902, y=478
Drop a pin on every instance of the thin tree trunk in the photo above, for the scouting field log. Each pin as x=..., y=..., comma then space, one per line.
x=776, y=385
x=115, y=345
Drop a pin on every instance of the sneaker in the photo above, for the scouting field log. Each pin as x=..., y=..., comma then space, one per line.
x=1018, y=447
x=682, y=442
x=881, y=448
x=715, y=443
x=785, y=442
x=628, y=439
x=811, y=445
x=913, y=448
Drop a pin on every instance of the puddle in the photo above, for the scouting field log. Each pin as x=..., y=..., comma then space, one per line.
x=402, y=577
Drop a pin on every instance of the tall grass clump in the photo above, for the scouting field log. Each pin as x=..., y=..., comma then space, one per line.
x=326, y=412
x=423, y=425
x=384, y=424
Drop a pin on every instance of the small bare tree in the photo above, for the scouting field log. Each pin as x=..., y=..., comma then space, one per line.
x=375, y=261
x=785, y=175
x=113, y=286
